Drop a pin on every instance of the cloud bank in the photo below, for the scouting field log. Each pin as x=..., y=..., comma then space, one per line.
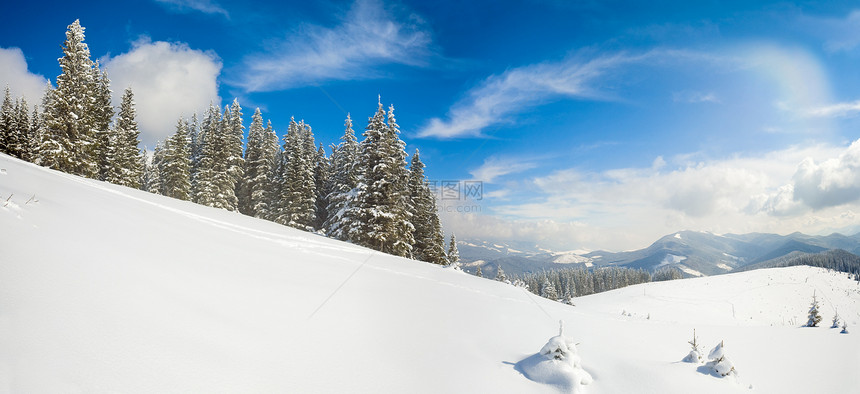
x=811, y=189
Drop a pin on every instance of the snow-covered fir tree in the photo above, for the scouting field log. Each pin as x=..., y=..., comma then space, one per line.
x=379, y=215
x=34, y=136
x=322, y=173
x=260, y=156
x=15, y=133
x=343, y=179
x=68, y=141
x=225, y=147
x=814, y=316
x=295, y=179
x=5, y=121
x=844, y=328
x=547, y=290
x=153, y=182
x=104, y=140
x=252, y=151
x=429, y=242
x=203, y=188
x=835, y=320
x=175, y=167
x=453, y=253
x=500, y=275
x=124, y=157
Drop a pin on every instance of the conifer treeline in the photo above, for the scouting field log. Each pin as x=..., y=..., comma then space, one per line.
x=564, y=284
x=362, y=193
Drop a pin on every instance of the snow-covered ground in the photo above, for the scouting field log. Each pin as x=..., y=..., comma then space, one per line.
x=108, y=289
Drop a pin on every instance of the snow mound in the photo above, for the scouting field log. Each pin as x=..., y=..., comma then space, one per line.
x=557, y=364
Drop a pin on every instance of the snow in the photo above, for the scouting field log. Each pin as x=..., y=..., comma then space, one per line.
x=108, y=289
x=671, y=259
x=690, y=271
x=724, y=266
x=572, y=258
x=678, y=235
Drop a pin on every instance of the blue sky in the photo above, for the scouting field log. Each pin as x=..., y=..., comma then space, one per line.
x=592, y=124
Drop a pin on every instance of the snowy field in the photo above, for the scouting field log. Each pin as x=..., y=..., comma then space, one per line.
x=108, y=289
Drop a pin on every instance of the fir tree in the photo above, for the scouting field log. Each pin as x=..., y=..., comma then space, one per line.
x=229, y=167
x=429, y=242
x=175, y=167
x=478, y=272
x=453, y=253
x=297, y=189
x=21, y=144
x=7, y=123
x=380, y=215
x=814, y=315
x=259, y=163
x=835, y=320
x=69, y=138
x=322, y=173
x=33, y=137
x=203, y=173
x=154, y=182
x=124, y=155
x=344, y=178
x=104, y=140
x=547, y=290
x=500, y=275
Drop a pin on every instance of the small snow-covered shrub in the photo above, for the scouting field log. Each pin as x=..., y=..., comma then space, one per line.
x=557, y=364
x=844, y=328
x=719, y=363
x=695, y=355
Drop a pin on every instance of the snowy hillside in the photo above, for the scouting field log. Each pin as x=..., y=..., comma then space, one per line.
x=108, y=289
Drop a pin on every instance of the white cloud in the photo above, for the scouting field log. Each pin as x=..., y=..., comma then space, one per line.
x=169, y=80
x=204, y=6
x=13, y=72
x=830, y=183
x=837, y=110
x=501, y=96
x=695, y=97
x=367, y=37
x=495, y=167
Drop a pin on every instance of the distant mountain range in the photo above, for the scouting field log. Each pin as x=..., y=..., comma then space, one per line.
x=694, y=253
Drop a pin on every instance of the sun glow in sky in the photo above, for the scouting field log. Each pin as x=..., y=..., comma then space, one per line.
x=596, y=124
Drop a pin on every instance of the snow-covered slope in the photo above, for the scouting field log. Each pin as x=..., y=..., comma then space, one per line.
x=108, y=289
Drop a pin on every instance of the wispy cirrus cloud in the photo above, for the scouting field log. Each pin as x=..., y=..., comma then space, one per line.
x=367, y=38
x=500, y=97
x=695, y=97
x=838, y=110
x=495, y=167
x=204, y=6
